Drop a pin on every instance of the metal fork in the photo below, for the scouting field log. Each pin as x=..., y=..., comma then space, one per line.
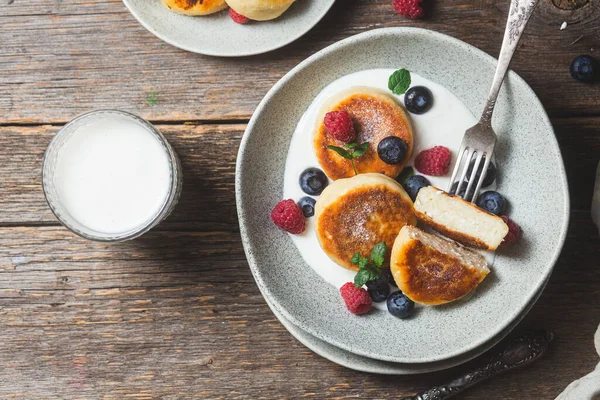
x=480, y=140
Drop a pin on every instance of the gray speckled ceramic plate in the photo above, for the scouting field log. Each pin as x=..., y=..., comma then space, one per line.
x=531, y=176
x=371, y=365
x=218, y=35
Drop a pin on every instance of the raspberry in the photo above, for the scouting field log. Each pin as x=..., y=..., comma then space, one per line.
x=409, y=8
x=340, y=125
x=239, y=18
x=514, y=232
x=357, y=300
x=433, y=162
x=288, y=216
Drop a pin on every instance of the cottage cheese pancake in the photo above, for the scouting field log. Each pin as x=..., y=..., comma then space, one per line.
x=354, y=214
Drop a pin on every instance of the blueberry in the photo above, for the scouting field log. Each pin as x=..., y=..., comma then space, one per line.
x=392, y=150
x=379, y=288
x=463, y=189
x=399, y=305
x=490, y=175
x=414, y=184
x=313, y=181
x=418, y=99
x=584, y=68
x=492, y=202
x=307, y=204
x=390, y=277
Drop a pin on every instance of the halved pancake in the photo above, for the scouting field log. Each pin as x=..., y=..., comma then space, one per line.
x=376, y=115
x=432, y=270
x=458, y=219
x=354, y=214
x=260, y=10
x=195, y=7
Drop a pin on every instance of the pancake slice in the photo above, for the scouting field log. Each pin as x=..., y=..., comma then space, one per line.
x=195, y=7
x=354, y=214
x=460, y=220
x=376, y=115
x=431, y=270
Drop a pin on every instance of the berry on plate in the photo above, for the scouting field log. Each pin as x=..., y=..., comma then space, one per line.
x=238, y=18
x=418, y=100
x=313, y=181
x=288, y=216
x=399, y=305
x=514, y=232
x=433, y=162
x=463, y=189
x=584, y=68
x=414, y=184
x=357, y=299
x=492, y=202
x=409, y=8
x=339, y=125
x=307, y=204
x=490, y=175
x=392, y=150
x=379, y=289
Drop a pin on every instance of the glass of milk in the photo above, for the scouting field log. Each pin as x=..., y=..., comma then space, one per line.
x=110, y=176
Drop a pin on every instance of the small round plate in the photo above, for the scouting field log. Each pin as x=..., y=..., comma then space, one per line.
x=218, y=35
x=531, y=176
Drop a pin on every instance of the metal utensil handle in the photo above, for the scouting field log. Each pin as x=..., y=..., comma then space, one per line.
x=519, y=14
x=521, y=351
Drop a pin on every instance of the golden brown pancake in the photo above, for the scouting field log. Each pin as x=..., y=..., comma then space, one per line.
x=195, y=7
x=376, y=115
x=354, y=214
x=260, y=10
x=432, y=270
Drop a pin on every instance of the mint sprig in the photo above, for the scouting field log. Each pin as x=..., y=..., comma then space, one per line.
x=399, y=81
x=369, y=269
x=351, y=152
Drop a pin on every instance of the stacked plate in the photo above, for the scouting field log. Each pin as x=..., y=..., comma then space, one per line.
x=532, y=177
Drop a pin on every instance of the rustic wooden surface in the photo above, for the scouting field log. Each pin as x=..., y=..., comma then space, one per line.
x=176, y=314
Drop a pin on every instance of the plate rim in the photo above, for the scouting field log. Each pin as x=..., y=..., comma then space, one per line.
x=133, y=11
x=241, y=157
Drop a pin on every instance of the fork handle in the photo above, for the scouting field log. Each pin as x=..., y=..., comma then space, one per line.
x=519, y=14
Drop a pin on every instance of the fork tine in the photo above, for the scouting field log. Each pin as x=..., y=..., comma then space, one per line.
x=459, y=159
x=473, y=175
x=488, y=156
x=465, y=168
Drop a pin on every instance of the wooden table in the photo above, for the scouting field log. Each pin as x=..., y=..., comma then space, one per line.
x=176, y=314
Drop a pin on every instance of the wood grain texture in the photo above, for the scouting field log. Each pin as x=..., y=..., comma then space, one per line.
x=177, y=315
x=63, y=57
x=208, y=155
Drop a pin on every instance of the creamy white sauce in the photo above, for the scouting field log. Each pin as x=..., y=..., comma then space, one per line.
x=112, y=175
x=443, y=125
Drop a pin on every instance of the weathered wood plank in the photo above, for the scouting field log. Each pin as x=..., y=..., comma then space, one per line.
x=208, y=154
x=177, y=315
x=61, y=58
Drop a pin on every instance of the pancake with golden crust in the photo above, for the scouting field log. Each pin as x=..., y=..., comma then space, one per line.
x=432, y=270
x=354, y=214
x=376, y=115
x=195, y=7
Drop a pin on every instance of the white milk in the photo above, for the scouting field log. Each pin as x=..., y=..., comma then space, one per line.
x=443, y=125
x=112, y=175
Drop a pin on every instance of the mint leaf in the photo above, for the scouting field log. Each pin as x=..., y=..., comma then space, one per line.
x=366, y=274
x=378, y=254
x=362, y=262
x=355, y=258
x=406, y=174
x=152, y=98
x=360, y=150
x=341, y=152
x=399, y=81
x=350, y=145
